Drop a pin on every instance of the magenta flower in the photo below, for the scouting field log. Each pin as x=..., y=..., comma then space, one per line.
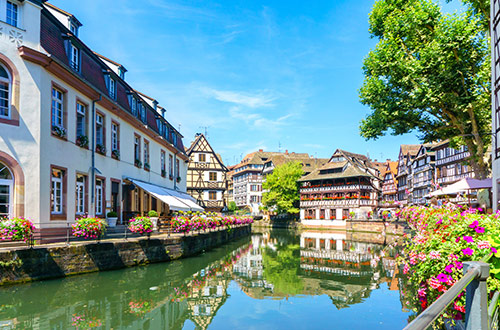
x=494, y=250
x=459, y=265
x=457, y=240
x=479, y=230
x=442, y=277
x=440, y=221
x=474, y=224
x=468, y=251
x=449, y=269
x=468, y=239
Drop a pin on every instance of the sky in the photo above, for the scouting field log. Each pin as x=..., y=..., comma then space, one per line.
x=272, y=75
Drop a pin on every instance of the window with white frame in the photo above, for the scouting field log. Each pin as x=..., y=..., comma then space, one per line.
x=133, y=104
x=170, y=165
x=74, y=59
x=99, y=192
x=4, y=93
x=73, y=28
x=56, y=194
x=80, y=194
x=57, y=108
x=81, y=120
x=112, y=88
x=99, y=130
x=12, y=14
x=115, y=129
x=137, y=148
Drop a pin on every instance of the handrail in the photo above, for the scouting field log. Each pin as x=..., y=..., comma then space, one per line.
x=475, y=270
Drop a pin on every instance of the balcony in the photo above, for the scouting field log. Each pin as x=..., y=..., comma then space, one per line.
x=453, y=178
x=339, y=203
x=353, y=187
x=453, y=158
x=424, y=168
x=424, y=183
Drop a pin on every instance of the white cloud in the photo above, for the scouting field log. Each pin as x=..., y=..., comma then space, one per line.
x=259, y=100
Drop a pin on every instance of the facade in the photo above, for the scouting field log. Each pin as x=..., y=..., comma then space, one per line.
x=421, y=179
x=229, y=185
x=451, y=164
x=495, y=101
x=407, y=152
x=206, y=176
x=308, y=163
x=347, y=183
x=390, y=186
x=76, y=137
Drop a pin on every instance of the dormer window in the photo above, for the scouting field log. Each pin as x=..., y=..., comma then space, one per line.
x=73, y=28
x=74, y=58
x=121, y=72
x=143, y=113
x=112, y=88
x=12, y=14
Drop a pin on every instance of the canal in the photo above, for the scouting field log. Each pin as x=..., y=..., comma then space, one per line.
x=272, y=280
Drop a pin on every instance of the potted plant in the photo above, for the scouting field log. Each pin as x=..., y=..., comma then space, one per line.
x=82, y=141
x=89, y=228
x=146, y=166
x=171, y=177
x=178, y=179
x=115, y=153
x=100, y=148
x=138, y=162
x=111, y=218
x=59, y=131
x=153, y=215
x=141, y=225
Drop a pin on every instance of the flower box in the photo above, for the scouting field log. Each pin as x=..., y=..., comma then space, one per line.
x=141, y=225
x=138, y=163
x=100, y=149
x=115, y=153
x=16, y=229
x=147, y=166
x=59, y=131
x=82, y=141
x=89, y=228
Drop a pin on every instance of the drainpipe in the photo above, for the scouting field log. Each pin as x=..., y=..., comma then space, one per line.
x=92, y=169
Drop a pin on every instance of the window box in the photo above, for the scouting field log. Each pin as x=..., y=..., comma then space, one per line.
x=171, y=177
x=82, y=141
x=178, y=179
x=146, y=166
x=115, y=154
x=138, y=163
x=163, y=173
x=101, y=149
x=59, y=131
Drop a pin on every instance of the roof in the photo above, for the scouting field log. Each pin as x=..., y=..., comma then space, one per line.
x=411, y=149
x=198, y=138
x=350, y=171
x=48, y=4
x=108, y=59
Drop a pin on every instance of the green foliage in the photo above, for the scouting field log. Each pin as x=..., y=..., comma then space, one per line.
x=281, y=268
x=430, y=73
x=112, y=214
x=232, y=206
x=283, y=189
x=152, y=214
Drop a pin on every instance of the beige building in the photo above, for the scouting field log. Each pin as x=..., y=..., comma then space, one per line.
x=76, y=138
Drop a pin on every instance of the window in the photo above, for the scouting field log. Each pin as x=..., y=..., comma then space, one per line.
x=80, y=194
x=12, y=14
x=99, y=130
x=99, y=196
x=146, y=154
x=163, y=163
x=170, y=165
x=4, y=93
x=112, y=88
x=56, y=194
x=212, y=195
x=73, y=28
x=137, y=150
x=81, y=120
x=115, y=132
x=57, y=109
x=74, y=59
x=143, y=113
x=212, y=176
x=133, y=104
x=177, y=174
x=202, y=158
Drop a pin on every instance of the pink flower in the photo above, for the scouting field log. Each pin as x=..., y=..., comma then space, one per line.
x=434, y=283
x=435, y=255
x=452, y=257
x=468, y=239
x=483, y=245
x=459, y=265
x=468, y=251
x=494, y=250
x=448, y=268
x=422, y=256
x=479, y=230
x=406, y=269
x=473, y=224
x=442, y=277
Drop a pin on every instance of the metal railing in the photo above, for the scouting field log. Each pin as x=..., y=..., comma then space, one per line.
x=478, y=316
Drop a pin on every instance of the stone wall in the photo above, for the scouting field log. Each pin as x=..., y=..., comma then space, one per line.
x=391, y=228
x=24, y=265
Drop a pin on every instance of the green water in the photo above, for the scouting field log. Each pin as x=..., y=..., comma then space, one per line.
x=272, y=280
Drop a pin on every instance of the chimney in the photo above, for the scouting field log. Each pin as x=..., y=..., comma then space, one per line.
x=261, y=150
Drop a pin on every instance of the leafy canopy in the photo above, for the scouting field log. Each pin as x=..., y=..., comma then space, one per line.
x=282, y=188
x=430, y=73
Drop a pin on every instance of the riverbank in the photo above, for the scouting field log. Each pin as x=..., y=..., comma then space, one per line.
x=21, y=264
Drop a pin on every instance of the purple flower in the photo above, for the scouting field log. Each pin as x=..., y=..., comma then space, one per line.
x=494, y=250
x=468, y=251
x=442, y=277
x=449, y=269
x=468, y=239
x=479, y=230
x=440, y=221
x=474, y=224
x=459, y=265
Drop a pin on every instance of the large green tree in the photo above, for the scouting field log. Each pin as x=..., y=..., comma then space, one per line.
x=282, y=188
x=430, y=73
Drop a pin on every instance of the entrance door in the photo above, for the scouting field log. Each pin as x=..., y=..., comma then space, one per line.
x=6, y=192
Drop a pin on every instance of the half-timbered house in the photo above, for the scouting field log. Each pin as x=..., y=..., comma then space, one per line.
x=206, y=175
x=407, y=152
x=390, y=186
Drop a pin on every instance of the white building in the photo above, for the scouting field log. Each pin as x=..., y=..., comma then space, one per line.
x=75, y=137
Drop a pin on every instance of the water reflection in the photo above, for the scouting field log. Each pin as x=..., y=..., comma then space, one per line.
x=274, y=265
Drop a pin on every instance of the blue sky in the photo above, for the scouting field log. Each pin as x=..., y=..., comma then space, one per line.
x=258, y=74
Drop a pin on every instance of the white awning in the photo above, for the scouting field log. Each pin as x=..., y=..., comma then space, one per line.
x=175, y=200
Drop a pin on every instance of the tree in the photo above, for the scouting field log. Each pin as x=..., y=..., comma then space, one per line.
x=430, y=73
x=282, y=188
x=232, y=206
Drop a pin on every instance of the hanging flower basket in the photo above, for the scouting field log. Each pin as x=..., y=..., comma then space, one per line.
x=89, y=228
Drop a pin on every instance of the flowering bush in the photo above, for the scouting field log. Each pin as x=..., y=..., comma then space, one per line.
x=186, y=223
x=141, y=225
x=89, y=228
x=84, y=322
x=445, y=238
x=16, y=229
